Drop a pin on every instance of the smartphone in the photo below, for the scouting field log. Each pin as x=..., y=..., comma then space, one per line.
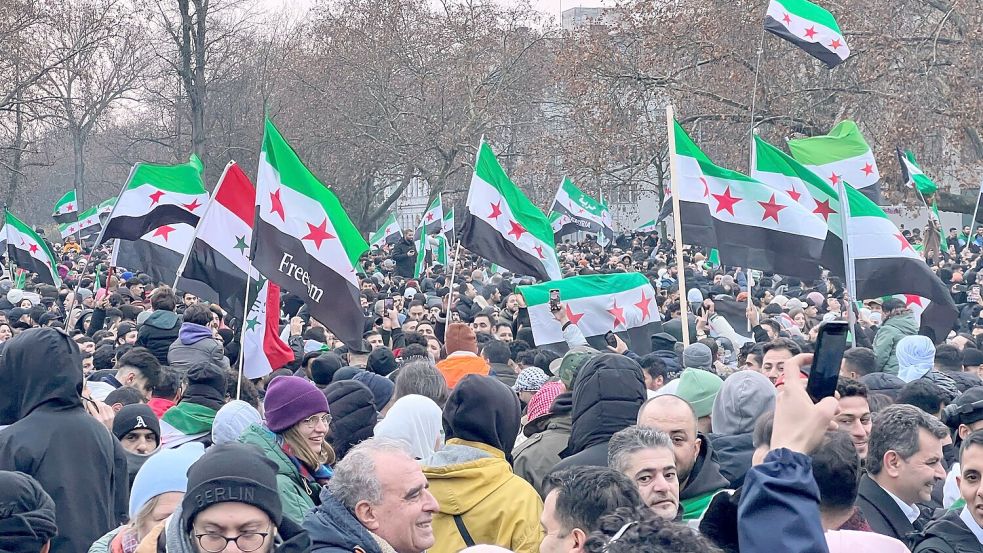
x=825, y=372
x=388, y=303
x=611, y=339
x=554, y=300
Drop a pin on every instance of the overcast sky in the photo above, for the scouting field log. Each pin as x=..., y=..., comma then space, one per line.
x=550, y=6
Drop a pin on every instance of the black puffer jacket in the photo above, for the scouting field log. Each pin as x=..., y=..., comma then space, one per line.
x=405, y=262
x=606, y=397
x=353, y=414
x=158, y=332
x=51, y=435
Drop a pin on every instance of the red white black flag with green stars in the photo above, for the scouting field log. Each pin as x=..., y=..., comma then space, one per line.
x=219, y=254
x=157, y=195
x=304, y=241
x=809, y=27
x=262, y=348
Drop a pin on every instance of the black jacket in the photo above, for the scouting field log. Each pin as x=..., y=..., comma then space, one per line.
x=882, y=513
x=606, y=397
x=353, y=414
x=334, y=529
x=405, y=263
x=733, y=455
x=158, y=332
x=467, y=308
x=883, y=383
x=948, y=534
x=50, y=433
x=705, y=476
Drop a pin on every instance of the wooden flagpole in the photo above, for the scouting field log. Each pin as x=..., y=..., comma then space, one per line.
x=677, y=226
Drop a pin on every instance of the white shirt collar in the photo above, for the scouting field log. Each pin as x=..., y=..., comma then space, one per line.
x=971, y=523
x=911, y=512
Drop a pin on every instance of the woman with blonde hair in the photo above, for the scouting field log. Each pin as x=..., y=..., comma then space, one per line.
x=295, y=439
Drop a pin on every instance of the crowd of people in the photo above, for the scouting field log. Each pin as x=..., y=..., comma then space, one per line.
x=126, y=428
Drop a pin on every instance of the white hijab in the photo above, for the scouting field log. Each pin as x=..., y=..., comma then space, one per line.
x=416, y=420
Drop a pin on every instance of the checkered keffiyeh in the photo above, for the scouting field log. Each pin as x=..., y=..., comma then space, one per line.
x=542, y=401
x=531, y=379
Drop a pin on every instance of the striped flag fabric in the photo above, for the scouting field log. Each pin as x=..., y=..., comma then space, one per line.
x=884, y=262
x=580, y=212
x=304, y=241
x=913, y=176
x=218, y=253
x=89, y=223
x=157, y=195
x=432, y=221
x=753, y=224
x=623, y=303
x=810, y=27
x=66, y=207
x=502, y=225
x=447, y=228
x=389, y=233
x=28, y=251
x=843, y=154
x=648, y=226
x=159, y=253
x=263, y=351
x=431, y=250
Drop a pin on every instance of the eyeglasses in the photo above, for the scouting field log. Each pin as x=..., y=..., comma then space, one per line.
x=311, y=421
x=215, y=543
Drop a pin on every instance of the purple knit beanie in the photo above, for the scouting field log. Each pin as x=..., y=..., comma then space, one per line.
x=291, y=399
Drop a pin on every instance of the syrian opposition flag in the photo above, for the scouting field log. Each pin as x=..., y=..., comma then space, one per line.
x=623, y=303
x=447, y=228
x=754, y=225
x=809, y=27
x=580, y=212
x=884, y=262
x=432, y=221
x=389, y=233
x=843, y=154
x=304, y=241
x=66, y=208
x=29, y=252
x=88, y=224
x=648, y=227
x=430, y=251
x=262, y=349
x=913, y=176
x=219, y=250
x=503, y=226
x=159, y=253
x=157, y=195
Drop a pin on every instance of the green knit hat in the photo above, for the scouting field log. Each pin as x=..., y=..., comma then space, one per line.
x=699, y=388
x=570, y=365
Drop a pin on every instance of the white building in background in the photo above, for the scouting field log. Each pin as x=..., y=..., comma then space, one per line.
x=579, y=17
x=412, y=204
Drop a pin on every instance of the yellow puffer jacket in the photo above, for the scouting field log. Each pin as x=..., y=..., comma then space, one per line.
x=475, y=481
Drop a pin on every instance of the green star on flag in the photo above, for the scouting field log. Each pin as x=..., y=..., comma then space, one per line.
x=241, y=244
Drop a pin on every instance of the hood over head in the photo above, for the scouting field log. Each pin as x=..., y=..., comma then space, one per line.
x=40, y=368
x=482, y=409
x=606, y=397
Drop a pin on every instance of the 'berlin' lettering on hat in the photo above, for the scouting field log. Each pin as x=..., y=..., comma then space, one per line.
x=225, y=494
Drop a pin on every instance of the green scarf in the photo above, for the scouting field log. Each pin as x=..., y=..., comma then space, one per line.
x=190, y=418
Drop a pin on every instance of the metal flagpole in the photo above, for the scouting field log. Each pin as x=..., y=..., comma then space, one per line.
x=677, y=226
x=457, y=253
x=848, y=267
x=242, y=334
x=976, y=210
x=754, y=94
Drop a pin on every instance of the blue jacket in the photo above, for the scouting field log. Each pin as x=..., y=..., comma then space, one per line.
x=779, y=509
x=334, y=529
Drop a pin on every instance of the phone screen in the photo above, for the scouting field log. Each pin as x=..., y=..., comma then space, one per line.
x=554, y=300
x=388, y=303
x=826, y=361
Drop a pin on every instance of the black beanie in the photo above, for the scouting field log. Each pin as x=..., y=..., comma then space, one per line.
x=134, y=416
x=323, y=368
x=207, y=374
x=232, y=472
x=482, y=409
x=381, y=361
x=27, y=514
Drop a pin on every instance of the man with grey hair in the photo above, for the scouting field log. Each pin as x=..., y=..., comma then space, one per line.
x=420, y=377
x=904, y=461
x=646, y=456
x=377, y=500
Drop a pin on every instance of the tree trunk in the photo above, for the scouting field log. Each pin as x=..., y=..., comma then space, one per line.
x=78, y=149
x=18, y=154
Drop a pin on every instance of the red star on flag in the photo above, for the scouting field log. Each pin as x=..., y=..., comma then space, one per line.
x=430, y=216
x=34, y=248
x=706, y=187
x=725, y=201
x=193, y=205
x=318, y=234
x=277, y=206
x=643, y=305
x=835, y=179
x=517, y=230
x=69, y=207
x=868, y=169
x=156, y=196
x=912, y=299
x=835, y=44
x=618, y=313
x=539, y=252
x=904, y=242
x=496, y=210
x=771, y=209
x=571, y=316
x=164, y=231
x=794, y=194
x=823, y=208
x=787, y=19
x=811, y=32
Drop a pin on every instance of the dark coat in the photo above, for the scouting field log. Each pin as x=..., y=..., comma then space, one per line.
x=50, y=433
x=948, y=534
x=882, y=513
x=158, y=332
x=733, y=456
x=353, y=414
x=334, y=529
x=405, y=263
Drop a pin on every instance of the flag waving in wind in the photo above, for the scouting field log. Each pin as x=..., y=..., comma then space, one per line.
x=262, y=349
x=157, y=195
x=843, y=154
x=29, y=252
x=503, y=226
x=913, y=176
x=448, y=225
x=66, y=207
x=580, y=212
x=432, y=221
x=304, y=241
x=809, y=27
x=389, y=233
